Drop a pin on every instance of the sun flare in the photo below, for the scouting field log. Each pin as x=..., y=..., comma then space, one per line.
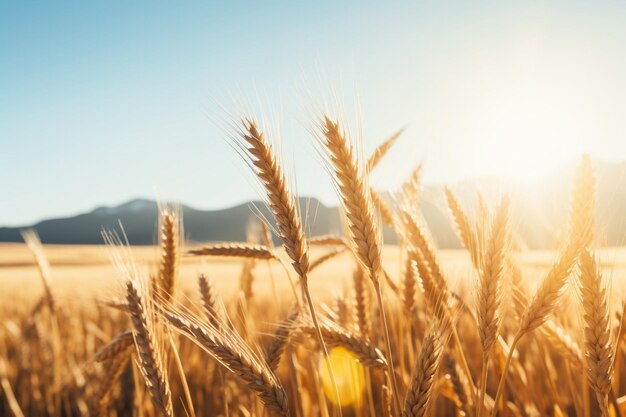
x=527, y=129
x=349, y=376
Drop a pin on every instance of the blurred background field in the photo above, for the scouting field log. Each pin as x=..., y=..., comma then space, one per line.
x=87, y=272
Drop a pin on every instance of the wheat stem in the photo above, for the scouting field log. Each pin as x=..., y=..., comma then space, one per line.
x=505, y=370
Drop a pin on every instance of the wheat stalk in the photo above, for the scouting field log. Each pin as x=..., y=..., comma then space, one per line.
x=519, y=291
x=387, y=400
x=420, y=395
x=31, y=238
x=542, y=304
x=327, y=240
x=235, y=356
x=168, y=265
x=463, y=227
x=598, y=348
x=544, y=301
x=246, y=278
x=114, y=348
x=409, y=284
x=361, y=302
x=416, y=237
x=342, y=309
x=282, y=204
x=382, y=150
x=9, y=394
x=209, y=300
x=437, y=299
x=356, y=198
x=280, y=339
x=149, y=355
x=563, y=343
x=459, y=384
x=266, y=235
x=489, y=293
x=356, y=201
x=364, y=351
x=115, y=362
x=411, y=187
x=236, y=250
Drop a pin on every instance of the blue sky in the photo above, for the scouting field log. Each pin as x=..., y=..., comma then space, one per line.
x=100, y=103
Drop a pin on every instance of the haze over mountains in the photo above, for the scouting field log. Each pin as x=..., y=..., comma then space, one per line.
x=539, y=214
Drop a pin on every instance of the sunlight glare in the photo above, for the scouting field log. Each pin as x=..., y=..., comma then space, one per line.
x=349, y=375
x=526, y=130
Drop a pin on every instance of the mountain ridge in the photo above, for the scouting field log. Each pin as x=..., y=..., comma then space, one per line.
x=139, y=218
x=538, y=214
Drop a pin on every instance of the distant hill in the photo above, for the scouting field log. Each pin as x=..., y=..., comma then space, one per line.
x=139, y=218
x=539, y=215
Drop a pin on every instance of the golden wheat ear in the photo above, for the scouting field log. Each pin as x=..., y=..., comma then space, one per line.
x=236, y=250
x=460, y=385
x=285, y=209
x=411, y=188
x=118, y=345
x=380, y=152
x=421, y=394
x=355, y=198
x=149, y=354
x=409, y=284
x=281, y=201
x=208, y=296
x=335, y=335
x=543, y=303
x=598, y=343
x=361, y=303
x=489, y=293
x=354, y=192
x=236, y=356
x=464, y=228
x=563, y=343
x=31, y=238
x=416, y=236
x=114, y=356
x=280, y=338
x=169, y=241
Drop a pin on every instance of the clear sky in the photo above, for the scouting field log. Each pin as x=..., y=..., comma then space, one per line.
x=100, y=103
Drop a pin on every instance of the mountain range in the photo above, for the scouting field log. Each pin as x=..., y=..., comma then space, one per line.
x=538, y=214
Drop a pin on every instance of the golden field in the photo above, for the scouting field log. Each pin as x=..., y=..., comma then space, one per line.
x=87, y=271
x=84, y=277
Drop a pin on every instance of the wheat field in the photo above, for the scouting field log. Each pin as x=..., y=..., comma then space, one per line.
x=340, y=325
